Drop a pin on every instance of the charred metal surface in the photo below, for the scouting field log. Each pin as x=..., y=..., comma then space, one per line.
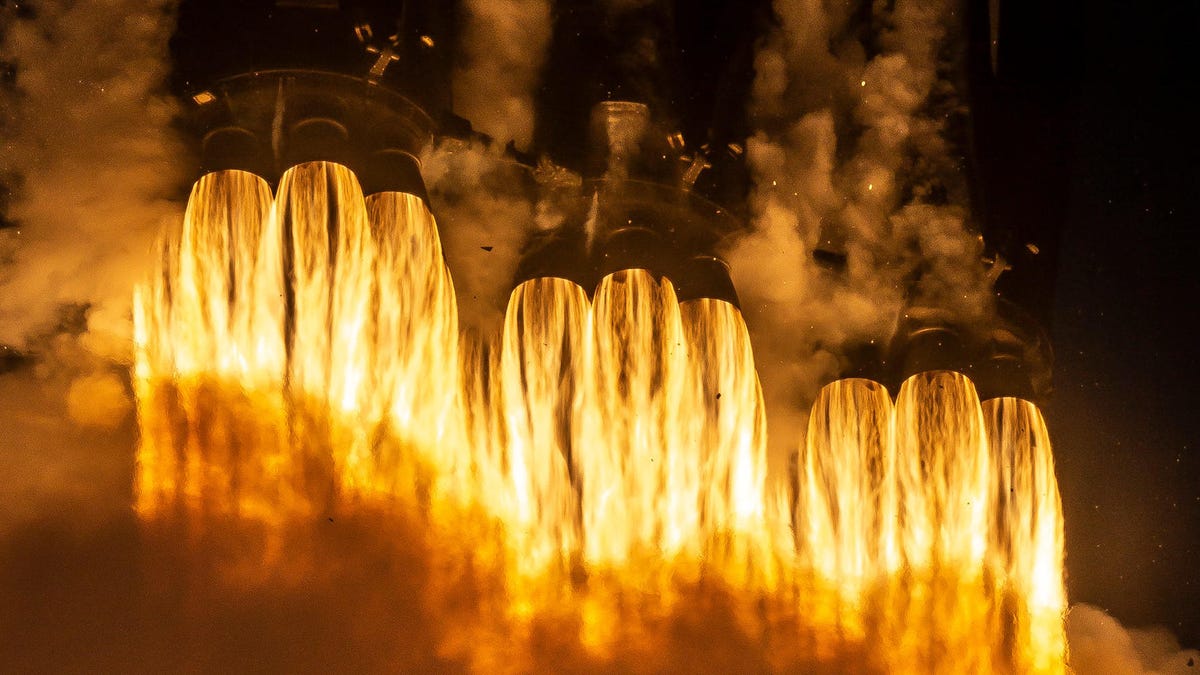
x=635, y=247
x=560, y=255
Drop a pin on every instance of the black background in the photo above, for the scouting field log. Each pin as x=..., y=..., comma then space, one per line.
x=1124, y=417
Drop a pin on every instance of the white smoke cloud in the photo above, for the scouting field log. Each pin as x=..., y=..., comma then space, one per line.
x=86, y=129
x=1100, y=645
x=849, y=153
x=88, y=132
x=848, y=157
x=99, y=399
x=485, y=212
x=502, y=50
x=66, y=445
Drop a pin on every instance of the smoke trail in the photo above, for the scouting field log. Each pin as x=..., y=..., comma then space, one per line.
x=477, y=194
x=851, y=153
x=850, y=104
x=503, y=48
x=88, y=135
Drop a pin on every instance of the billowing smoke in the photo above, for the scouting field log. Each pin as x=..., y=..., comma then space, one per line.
x=95, y=173
x=502, y=50
x=850, y=158
x=67, y=447
x=94, y=165
x=1100, y=645
x=485, y=210
x=483, y=204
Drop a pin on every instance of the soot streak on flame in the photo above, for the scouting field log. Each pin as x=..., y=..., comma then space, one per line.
x=202, y=452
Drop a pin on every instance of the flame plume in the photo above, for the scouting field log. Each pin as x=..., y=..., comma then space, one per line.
x=589, y=487
x=1027, y=538
x=296, y=302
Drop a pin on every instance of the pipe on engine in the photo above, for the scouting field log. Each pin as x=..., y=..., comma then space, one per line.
x=939, y=347
x=318, y=139
x=1007, y=355
x=1016, y=358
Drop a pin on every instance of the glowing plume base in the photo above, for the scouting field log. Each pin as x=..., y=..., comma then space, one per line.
x=586, y=491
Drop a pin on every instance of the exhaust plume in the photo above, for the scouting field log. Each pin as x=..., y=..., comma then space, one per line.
x=845, y=157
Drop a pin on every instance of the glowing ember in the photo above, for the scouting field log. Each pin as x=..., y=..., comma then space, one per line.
x=592, y=484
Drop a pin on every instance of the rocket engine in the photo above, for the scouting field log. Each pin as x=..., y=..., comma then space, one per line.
x=366, y=84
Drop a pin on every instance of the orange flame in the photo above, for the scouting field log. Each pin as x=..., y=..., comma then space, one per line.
x=604, y=459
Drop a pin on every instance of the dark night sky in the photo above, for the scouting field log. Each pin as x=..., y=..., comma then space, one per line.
x=1125, y=318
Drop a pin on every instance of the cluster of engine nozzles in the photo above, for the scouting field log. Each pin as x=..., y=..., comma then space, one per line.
x=265, y=122
x=626, y=212
x=1005, y=355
